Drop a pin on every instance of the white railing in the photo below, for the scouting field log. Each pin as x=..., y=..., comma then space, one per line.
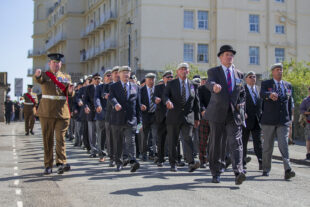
x=54, y=40
x=38, y=52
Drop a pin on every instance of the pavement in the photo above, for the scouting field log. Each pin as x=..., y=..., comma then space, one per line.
x=91, y=183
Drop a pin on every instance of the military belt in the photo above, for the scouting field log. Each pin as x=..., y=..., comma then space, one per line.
x=54, y=97
x=25, y=103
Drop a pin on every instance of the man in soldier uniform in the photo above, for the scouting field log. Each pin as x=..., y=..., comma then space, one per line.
x=29, y=110
x=54, y=112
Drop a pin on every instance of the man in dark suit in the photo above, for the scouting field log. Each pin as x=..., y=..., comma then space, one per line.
x=124, y=97
x=182, y=102
x=78, y=121
x=148, y=108
x=225, y=114
x=100, y=105
x=253, y=111
x=89, y=107
x=276, y=119
x=109, y=136
x=160, y=117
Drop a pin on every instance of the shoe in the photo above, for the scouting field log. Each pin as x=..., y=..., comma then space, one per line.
x=308, y=156
x=31, y=132
x=203, y=165
x=260, y=166
x=216, y=179
x=266, y=174
x=291, y=142
x=144, y=158
x=240, y=178
x=247, y=159
x=101, y=159
x=160, y=164
x=289, y=174
x=156, y=159
x=27, y=134
x=125, y=163
x=180, y=164
x=60, y=169
x=111, y=163
x=135, y=166
x=66, y=167
x=173, y=168
x=192, y=167
x=119, y=168
x=92, y=155
x=228, y=162
x=47, y=171
x=245, y=167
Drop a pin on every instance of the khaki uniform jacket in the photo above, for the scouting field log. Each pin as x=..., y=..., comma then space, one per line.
x=27, y=107
x=52, y=108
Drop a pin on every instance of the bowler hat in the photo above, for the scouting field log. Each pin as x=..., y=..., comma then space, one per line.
x=226, y=48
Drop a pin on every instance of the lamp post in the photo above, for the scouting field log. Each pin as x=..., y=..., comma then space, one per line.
x=129, y=23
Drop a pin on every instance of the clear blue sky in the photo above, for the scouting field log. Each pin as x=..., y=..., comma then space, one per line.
x=16, y=20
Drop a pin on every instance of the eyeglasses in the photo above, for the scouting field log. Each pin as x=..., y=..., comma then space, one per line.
x=169, y=77
x=97, y=78
x=252, y=76
x=108, y=75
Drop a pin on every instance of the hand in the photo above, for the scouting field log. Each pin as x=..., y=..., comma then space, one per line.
x=118, y=107
x=169, y=105
x=203, y=113
x=70, y=88
x=217, y=88
x=75, y=111
x=245, y=115
x=273, y=96
x=143, y=107
x=106, y=96
x=157, y=100
x=38, y=72
x=87, y=110
x=197, y=122
x=99, y=109
x=80, y=103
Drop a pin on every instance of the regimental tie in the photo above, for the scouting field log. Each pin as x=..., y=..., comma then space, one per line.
x=254, y=95
x=229, y=83
x=125, y=90
x=183, y=93
x=152, y=104
x=279, y=90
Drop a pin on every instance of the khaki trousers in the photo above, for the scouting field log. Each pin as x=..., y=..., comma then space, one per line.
x=29, y=120
x=49, y=127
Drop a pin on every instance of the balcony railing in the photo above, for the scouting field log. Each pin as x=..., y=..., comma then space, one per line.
x=111, y=45
x=55, y=40
x=30, y=72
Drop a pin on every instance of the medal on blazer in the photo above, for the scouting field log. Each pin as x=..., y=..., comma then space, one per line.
x=239, y=82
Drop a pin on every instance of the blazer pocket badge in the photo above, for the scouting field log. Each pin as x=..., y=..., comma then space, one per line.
x=288, y=92
x=239, y=82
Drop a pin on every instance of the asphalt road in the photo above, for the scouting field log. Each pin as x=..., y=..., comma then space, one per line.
x=91, y=183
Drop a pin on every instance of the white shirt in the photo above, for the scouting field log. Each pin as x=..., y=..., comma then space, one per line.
x=232, y=75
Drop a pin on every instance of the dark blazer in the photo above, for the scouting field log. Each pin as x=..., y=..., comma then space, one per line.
x=108, y=105
x=182, y=114
x=100, y=100
x=80, y=97
x=130, y=112
x=253, y=110
x=147, y=118
x=204, y=97
x=276, y=112
x=220, y=102
x=89, y=102
x=161, y=110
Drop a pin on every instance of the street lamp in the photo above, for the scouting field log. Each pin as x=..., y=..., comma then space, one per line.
x=129, y=23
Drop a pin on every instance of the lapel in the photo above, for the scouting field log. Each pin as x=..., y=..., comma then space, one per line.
x=222, y=79
x=235, y=78
x=146, y=95
x=189, y=85
x=178, y=88
x=123, y=95
x=249, y=96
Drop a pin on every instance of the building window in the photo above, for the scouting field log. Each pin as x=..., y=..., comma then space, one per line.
x=202, y=53
x=279, y=29
x=279, y=55
x=281, y=1
x=188, y=52
x=254, y=55
x=188, y=19
x=254, y=23
x=202, y=20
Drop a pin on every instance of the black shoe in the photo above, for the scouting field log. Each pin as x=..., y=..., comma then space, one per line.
x=31, y=132
x=247, y=159
x=135, y=166
x=240, y=178
x=260, y=166
x=308, y=156
x=203, y=165
x=119, y=168
x=125, y=163
x=67, y=167
x=27, y=134
x=173, y=168
x=228, y=162
x=60, y=169
x=245, y=167
x=192, y=167
x=156, y=159
x=47, y=171
x=266, y=174
x=216, y=179
x=160, y=164
x=92, y=155
x=111, y=163
x=289, y=174
x=144, y=158
x=180, y=164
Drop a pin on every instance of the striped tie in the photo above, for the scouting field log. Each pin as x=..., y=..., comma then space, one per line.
x=125, y=90
x=229, y=83
x=183, y=93
x=152, y=104
x=279, y=90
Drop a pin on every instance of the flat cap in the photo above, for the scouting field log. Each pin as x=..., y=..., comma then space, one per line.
x=276, y=65
x=168, y=73
x=150, y=75
x=183, y=65
x=96, y=75
x=107, y=72
x=115, y=68
x=124, y=68
x=55, y=56
x=249, y=73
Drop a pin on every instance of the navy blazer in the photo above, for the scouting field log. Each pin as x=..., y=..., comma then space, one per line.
x=161, y=110
x=130, y=112
x=100, y=100
x=181, y=114
x=221, y=102
x=204, y=97
x=75, y=106
x=89, y=102
x=80, y=97
x=147, y=118
x=253, y=110
x=276, y=112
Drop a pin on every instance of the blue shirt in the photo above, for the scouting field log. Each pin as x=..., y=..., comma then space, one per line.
x=186, y=87
x=281, y=85
x=251, y=92
x=232, y=75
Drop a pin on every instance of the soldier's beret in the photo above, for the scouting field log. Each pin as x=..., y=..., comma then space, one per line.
x=276, y=65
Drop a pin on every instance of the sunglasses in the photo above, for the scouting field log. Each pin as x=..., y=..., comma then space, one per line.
x=169, y=77
x=252, y=76
x=97, y=78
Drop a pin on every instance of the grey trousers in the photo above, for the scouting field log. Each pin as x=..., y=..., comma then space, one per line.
x=101, y=137
x=147, y=129
x=124, y=137
x=223, y=138
x=92, y=136
x=270, y=132
x=78, y=133
x=109, y=140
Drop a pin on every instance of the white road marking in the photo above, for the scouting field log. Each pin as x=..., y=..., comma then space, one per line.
x=18, y=191
x=14, y=153
x=14, y=150
x=15, y=157
x=15, y=168
x=15, y=174
x=19, y=204
x=16, y=182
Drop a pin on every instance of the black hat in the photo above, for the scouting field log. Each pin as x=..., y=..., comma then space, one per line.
x=30, y=86
x=55, y=56
x=226, y=48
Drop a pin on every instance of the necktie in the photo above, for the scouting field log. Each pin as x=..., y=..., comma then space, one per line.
x=152, y=104
x=183, y=93
x=125, y=90
x=254, y=95
x=229, y=83
x=279, y=90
